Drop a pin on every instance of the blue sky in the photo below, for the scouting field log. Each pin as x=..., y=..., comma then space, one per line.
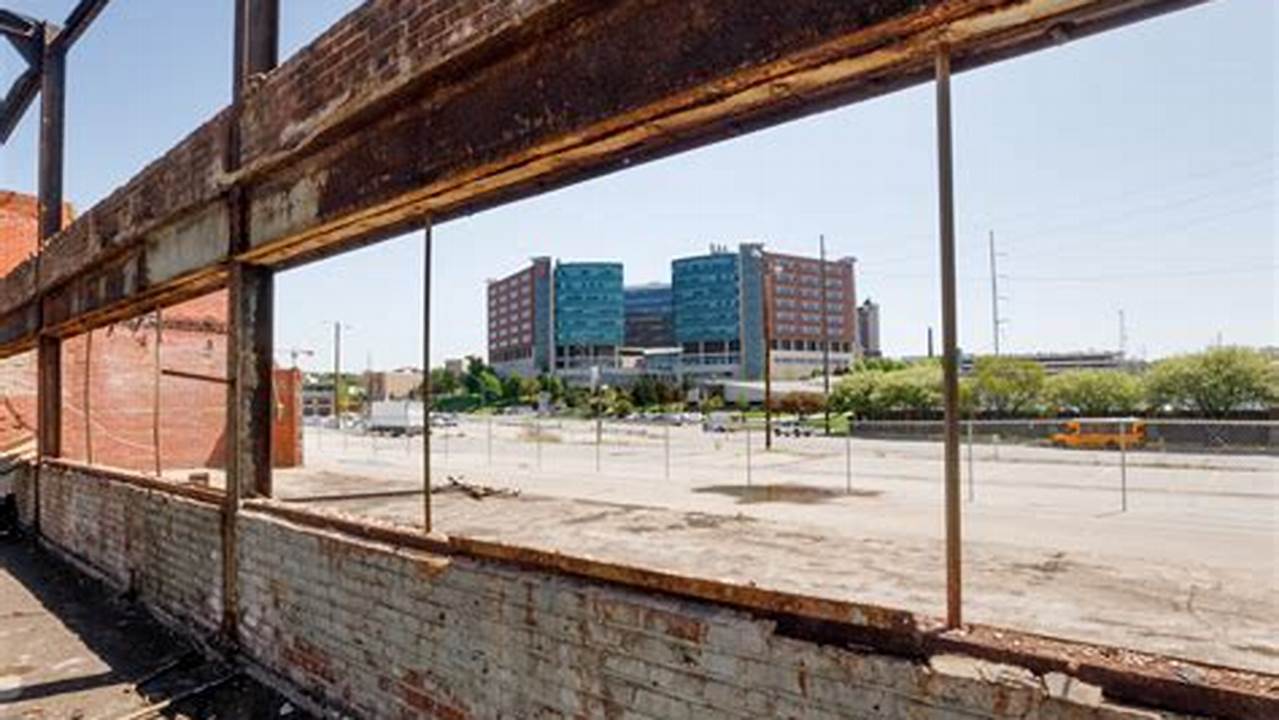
x=1135, y=170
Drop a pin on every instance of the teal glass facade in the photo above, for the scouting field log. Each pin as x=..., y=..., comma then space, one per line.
x=588, y=304
x=705, y=291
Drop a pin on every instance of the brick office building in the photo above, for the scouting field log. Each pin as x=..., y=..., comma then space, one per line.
x=112, y=376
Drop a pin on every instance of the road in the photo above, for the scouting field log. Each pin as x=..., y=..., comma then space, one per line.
x=1190, y=568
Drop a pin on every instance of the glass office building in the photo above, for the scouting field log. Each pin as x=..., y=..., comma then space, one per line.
x=589, y=316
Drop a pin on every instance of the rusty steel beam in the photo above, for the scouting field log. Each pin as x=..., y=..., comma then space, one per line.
x=950, y=341
x=250, y=361
x=394, y=115
x=77, y=22
x=257, y=41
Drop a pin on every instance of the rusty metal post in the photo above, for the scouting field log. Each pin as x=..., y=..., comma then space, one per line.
x=825, y=339
x=848, y=458
x=426, y=381
x=53, y=77
x=768, y=355
x=950, y=351
x=49, y=348
x=257, y=33
x=155, y=401
x=971, y=478
x=1123, y=466
x=251, y=315
x=666, y=454
x=88, y=399
x=252, y=291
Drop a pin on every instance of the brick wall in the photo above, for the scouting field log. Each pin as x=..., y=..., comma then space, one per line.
x=385, y=632
x=382, y=630
x=122, y=383
x=164, y=547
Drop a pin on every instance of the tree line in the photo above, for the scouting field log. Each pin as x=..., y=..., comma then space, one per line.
x=1212, y=383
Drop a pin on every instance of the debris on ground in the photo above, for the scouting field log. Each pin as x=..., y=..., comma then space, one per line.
x=475, y=491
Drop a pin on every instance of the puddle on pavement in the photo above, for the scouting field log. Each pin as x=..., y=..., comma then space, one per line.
x=797, y=494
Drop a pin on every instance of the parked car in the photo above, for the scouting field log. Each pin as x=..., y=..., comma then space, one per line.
x=792, y=428
x=718, y=422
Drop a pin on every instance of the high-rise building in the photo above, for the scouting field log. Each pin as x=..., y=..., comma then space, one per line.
x=707, y=298
x=650, y=316
x=519, y=320
x=803, y=321
x=723, y=298
x=573, y=316
x=868, y=328
x=589, y=316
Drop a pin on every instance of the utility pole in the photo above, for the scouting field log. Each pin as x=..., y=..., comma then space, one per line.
x=337, y=374
x=994, y=293
x=825, y=337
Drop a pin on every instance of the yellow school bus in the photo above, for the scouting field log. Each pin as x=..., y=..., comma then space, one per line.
x=1077, y=434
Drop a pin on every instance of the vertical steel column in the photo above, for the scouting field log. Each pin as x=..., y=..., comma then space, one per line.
x=257, y=33
x=251, y=333
x=426, y=384
x=950, y=352
x=825, y=339
x=251, y=312
x=155, y=401
x=769, y=287
x=53, y=84
x=49, y=348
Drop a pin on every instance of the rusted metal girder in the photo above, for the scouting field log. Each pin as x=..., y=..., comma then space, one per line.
x=950, y=344
x=426, y=376
x=251, y=311
x=335, y=157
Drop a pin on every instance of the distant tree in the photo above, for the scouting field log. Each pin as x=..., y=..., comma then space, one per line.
x=915, y=389
x=443, y=382
x=511, y=387
x=801, y=404
x=1008, y=386
x=553, y=386
x=879, y=364
x=1214, y=382
x=712, y=403
x=646, y=391
x=1095, y=392
x=856, y=393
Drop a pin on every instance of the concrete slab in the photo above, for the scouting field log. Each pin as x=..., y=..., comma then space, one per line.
x=72, y=648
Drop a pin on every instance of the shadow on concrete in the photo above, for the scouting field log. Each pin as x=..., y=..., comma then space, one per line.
x=71, y=647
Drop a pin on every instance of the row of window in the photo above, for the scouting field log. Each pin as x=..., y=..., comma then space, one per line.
x=812, y=345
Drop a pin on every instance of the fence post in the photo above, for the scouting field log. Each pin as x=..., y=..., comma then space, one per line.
x=1123, y=465
x=970, y=461
x=748, y=455
x=667, y=443
x=848, y=458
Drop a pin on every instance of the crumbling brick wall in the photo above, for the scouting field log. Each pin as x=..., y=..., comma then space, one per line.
x=379, y=630
x=118, y=365
x=162, y=546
